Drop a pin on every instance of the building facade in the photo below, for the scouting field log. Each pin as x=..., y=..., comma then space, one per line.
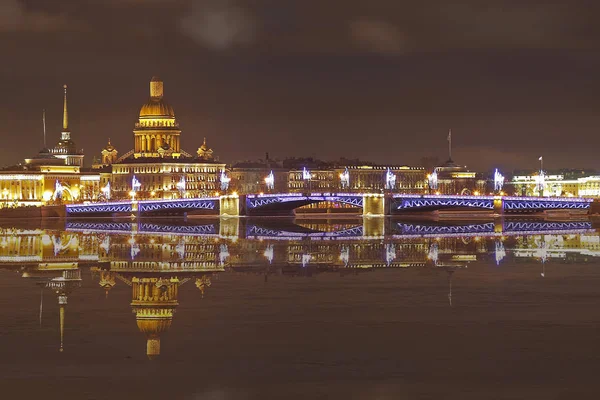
x=157, y=166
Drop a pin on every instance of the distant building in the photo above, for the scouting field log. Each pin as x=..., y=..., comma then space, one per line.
x=451, y=178
x=556, y=183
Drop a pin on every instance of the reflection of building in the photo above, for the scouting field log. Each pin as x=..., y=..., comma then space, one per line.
x=157, y=161
x=155, y=266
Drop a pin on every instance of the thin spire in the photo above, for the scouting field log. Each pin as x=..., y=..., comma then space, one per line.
x=450, y=144
x=65, y=113
x=44, y=122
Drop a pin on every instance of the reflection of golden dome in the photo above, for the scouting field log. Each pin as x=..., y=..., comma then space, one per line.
x=152, y=322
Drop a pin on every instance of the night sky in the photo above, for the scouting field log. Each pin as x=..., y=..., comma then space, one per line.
x=381, y=80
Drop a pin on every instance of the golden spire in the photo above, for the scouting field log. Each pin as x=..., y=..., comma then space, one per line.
x=65, y=112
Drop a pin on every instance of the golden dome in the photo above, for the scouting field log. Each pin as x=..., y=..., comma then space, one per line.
x=156, y=108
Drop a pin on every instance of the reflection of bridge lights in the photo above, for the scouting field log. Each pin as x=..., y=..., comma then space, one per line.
x=345, y=255
x=433, y=254
x=500, y=252
x=269, y=253
x=223, y=254
x=390, y=253
x=105, y=244
x=180, y=249
x=306, y=259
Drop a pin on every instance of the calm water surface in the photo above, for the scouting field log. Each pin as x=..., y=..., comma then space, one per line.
x=272, y=309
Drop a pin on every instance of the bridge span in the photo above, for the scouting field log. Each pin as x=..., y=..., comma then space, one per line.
x=373, y=204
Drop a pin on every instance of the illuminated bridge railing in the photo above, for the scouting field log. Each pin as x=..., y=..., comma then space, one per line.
x=204, y=203
x=99, y=208
x=412, y=202
x=545, y=203
x=262, y=200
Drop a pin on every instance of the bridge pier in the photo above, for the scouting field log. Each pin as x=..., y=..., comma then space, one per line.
x=230, y=205
x=373, y=204
x=498, y=205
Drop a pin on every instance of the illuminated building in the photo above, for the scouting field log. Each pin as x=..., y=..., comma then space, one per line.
x=455, y=179
x=65, y=149
x=251, y=177
x=157, y=160
x=564, y=183
x=372, y=179
x=34, y=182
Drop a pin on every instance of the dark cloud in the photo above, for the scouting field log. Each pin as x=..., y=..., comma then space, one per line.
x=218, y=24
x=383, y=79
x=15, y=17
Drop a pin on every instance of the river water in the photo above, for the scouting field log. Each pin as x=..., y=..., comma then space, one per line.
x=278, y=309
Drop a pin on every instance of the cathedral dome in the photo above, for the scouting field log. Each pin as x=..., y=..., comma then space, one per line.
x=154, y=108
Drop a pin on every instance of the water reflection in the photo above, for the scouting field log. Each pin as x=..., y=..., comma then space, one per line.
x=155, y=258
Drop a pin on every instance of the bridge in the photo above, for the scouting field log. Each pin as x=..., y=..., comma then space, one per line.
x=286, y=203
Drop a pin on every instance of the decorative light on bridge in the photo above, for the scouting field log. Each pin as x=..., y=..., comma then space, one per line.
x=390, y=180
x=58, y=190
x=432, y=180
x=498, y=181
x=270, y=181
x=345, y=179
x=224, y=181
x=306, y=174
x=106, y=191
x=540, y=182
x=135, y=184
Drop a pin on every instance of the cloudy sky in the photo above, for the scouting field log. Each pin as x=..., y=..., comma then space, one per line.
x=382, y=80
